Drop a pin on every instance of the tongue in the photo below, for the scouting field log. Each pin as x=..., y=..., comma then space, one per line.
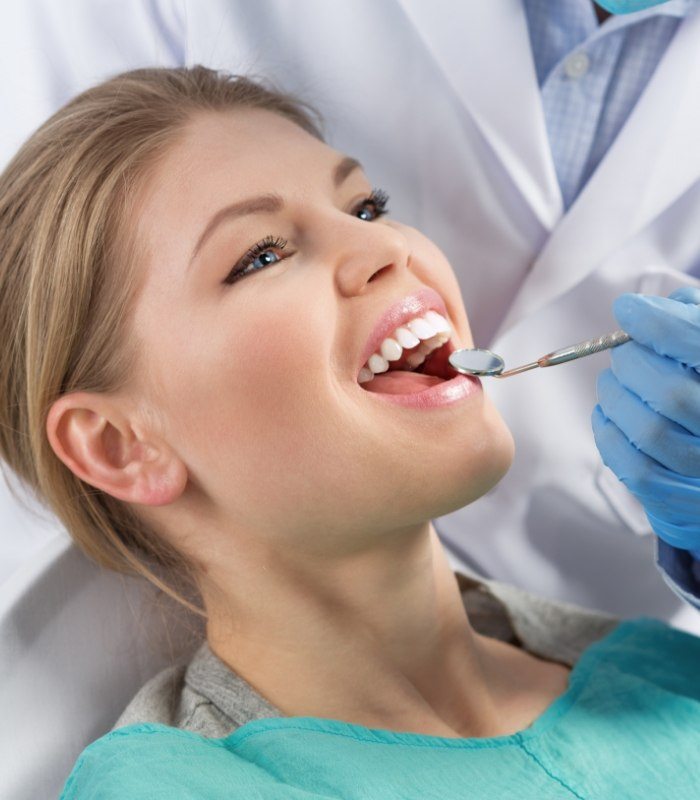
x=401, y=382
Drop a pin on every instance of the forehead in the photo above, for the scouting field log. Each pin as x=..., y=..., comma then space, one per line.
x=221, y=158
x=239, y=150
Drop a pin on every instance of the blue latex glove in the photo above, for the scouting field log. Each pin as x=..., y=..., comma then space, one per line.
x=647, y=423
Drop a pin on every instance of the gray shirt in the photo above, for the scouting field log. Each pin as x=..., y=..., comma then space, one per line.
x=207, y=697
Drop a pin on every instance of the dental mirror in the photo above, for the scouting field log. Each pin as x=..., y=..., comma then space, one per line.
x=477, y=362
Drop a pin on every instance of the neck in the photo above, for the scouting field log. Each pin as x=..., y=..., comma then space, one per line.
x=380, y=639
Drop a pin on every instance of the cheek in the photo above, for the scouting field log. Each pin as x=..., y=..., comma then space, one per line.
x=245, y=393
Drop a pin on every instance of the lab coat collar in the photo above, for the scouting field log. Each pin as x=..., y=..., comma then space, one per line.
x=649, y=165
x=504, y=101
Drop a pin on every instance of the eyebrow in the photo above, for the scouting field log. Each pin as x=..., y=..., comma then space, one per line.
x=264, y=203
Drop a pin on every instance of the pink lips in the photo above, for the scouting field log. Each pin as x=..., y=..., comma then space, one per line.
x=413, y=305
x=442, y=394
x=446, y=393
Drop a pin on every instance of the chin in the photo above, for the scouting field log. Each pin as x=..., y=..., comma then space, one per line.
x=487, y=464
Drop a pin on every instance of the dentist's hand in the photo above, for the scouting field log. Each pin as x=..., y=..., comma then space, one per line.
x=647, y=423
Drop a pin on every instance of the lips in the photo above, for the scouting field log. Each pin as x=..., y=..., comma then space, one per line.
x=413, y=305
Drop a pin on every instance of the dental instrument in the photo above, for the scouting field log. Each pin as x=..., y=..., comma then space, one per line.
x=477, y=361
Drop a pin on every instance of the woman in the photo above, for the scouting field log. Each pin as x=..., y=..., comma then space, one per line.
x=213, y=334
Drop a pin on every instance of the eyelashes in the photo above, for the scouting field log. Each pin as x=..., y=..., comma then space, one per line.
x=378, y=199
x=268, y=243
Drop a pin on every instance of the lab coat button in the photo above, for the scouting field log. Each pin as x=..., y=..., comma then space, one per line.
x=576, y=65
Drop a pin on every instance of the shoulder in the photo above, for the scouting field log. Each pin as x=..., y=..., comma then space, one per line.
x=149, y=761
x=157, y=700
x=548, y=628
x=171, y=698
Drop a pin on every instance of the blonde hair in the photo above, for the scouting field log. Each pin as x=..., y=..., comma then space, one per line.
x=67, y=283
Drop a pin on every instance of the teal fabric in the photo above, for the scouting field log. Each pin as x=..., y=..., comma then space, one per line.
x=628, y=726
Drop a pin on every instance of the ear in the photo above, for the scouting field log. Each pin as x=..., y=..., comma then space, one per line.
x=95, y=439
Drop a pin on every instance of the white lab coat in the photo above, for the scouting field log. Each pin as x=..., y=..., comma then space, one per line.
x=440, y=102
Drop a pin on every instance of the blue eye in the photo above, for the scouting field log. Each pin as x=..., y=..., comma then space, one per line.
x=265, y=258
x=261, y=253
x=379, y=198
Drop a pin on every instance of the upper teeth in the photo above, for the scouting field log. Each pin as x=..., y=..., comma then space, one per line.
x=431, y=328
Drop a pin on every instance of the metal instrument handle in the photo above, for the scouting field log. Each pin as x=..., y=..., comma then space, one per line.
x=582, y=349
x=572, y=352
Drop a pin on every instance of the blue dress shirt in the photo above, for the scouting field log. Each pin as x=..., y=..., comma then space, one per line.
x=591, y=76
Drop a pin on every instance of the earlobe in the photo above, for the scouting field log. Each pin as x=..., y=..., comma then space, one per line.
x=162, y=480
x=99, y=445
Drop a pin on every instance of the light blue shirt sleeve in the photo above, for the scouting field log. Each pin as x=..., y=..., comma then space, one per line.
x=681, y=571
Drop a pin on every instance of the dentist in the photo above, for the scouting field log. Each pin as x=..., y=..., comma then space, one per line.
x=550, y=148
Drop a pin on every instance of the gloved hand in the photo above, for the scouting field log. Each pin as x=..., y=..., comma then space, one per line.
x=647, y=423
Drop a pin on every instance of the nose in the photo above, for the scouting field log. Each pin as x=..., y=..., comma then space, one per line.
x=364, y=251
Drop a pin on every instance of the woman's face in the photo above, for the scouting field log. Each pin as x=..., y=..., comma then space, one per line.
x=255, y=382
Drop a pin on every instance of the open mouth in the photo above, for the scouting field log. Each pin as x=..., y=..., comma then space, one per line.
x=401, y=378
